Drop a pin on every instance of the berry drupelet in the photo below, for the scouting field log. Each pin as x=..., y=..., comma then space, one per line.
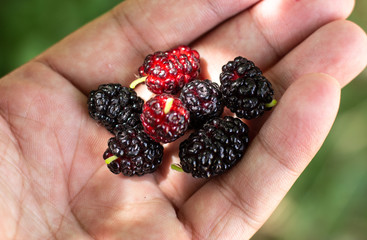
x=168, y=72
x=215, y=148
x=113, y=105
x=204, y=101
x=165, y=118
x=245, y=90
x=133, y=152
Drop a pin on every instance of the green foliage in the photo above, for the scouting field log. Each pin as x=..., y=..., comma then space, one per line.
x=28, y=27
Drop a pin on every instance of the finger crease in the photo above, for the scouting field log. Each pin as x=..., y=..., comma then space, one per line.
x=117, y=15
x=269, y=149
x=260, y=28
x=250, y=219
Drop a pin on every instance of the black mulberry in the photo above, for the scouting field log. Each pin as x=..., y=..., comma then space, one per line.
x=215, y=148
x=204, y=101
x=133, y=152
x=245, y=90
x=115, y=106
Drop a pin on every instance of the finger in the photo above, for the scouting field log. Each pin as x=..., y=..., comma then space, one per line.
x=321, y=52
x=235, y=205
x=111, y=48
x=268, y=31
x=338, y=49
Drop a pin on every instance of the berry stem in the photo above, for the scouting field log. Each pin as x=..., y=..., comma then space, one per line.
x=177, y=167
x=168, y=105
x=271, y=104
x=110, y=159
x=137, y=82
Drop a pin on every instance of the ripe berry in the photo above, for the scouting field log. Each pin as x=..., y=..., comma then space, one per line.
x=204, y=101
x=113, y=105
x=238, y=68
x=132, y=152
x=215, y=148
x=165, y=118
x=245, y=90
x=168, y=72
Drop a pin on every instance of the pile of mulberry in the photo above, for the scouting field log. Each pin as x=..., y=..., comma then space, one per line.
x=180, y=101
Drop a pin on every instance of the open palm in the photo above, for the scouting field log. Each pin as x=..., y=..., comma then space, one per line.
x=53, y=181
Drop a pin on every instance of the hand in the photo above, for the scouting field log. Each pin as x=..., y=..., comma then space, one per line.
x=53, y=180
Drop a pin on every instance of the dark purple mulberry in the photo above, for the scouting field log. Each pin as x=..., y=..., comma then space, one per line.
x=245, y=90
x=204, y=101
x=133, y=152
x=115, y=106
x=215, y=148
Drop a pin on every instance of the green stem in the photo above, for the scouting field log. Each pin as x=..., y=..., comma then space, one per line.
x=177, y=167
x=168, y=105
x=137, y=82
x=110, y=159
x=271, y=104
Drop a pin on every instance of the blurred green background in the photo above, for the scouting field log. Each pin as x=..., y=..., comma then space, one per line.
x=329, y=201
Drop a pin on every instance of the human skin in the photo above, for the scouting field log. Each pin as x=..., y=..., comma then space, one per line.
x=53, y=181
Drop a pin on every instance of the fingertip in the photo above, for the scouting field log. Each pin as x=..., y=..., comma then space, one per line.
x=358, y=37
x=321, y=84
x=323, y=96
x=314, y=95
x=352, y=50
